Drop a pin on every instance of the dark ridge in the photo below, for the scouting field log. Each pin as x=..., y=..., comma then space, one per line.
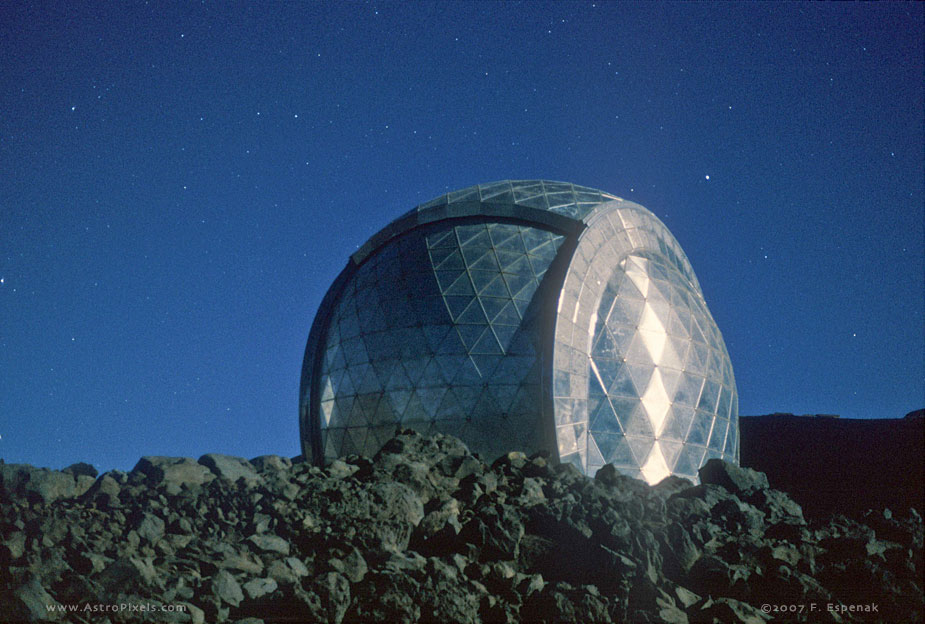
x=833, y=465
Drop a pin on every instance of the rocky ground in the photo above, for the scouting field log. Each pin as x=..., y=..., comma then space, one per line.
x=427, y=532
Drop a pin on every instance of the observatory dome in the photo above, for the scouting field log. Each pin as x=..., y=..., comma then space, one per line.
x=523, y=315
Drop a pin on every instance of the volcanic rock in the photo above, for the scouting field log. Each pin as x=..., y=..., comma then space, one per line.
x=428, y=532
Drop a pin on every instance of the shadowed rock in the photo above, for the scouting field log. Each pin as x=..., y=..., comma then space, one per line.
x=427, y=532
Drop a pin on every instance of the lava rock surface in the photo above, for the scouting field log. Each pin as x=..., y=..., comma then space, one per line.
x=428, y=532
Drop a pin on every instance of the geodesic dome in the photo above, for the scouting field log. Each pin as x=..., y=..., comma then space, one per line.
x=523, y=315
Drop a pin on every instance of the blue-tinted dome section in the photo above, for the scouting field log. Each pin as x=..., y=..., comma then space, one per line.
x=559, y=206
x=564, y=198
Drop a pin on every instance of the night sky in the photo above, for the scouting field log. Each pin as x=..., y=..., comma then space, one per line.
x=180, y=183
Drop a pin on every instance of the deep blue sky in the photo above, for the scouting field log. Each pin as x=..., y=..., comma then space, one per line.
x=180, y=183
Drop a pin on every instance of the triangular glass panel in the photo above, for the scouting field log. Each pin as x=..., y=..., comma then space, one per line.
x=333, y=442
x=624, y=408
x=412, y=341
x=539, y=266
x=383, y=415
x=432, y=375
x=334, y=358
x=526, y=191
x=470, y=334
x=443, y=367
x=467, y=373
x=628, y=310
x=670, y=451
x=521, y=282
x=670, y=381
x=343, y=405
x=465, y=233
x=485, y=262
x=358, y=416
x=495, y=288
x=639, y=351
x=493, y=305
x=535, y=201
x=486, y=364
x=605, y=421
x=503, y=395
x=525, y=402
x=498, y=194
x=430, y=399
x=468, y=397
x=353, y=379
x=370, y=382
x=461, y=286
x=732, y=439
x=514, y=367
x=523, y=308
x=446, y=238
x=718, y=436
x=470, y=194
x=709, y=396
x=622, y=336
x=534, y=237
x=398, y=400
x=487, y=344
x=520, y=266
x=677, y=423
x=478, y=241
x=451, y=261
x=638, y=423
x=481, y=279
x=345, y=385
x=667, y=355
x=450, y=407
x=472, y=315
x=686, y=465
x=434, y=335
x=437, y=256
x=525, y=294
x=697, y=357
x=680, y=323
x=327, y=411
x=507, y=315
x=725, y=402
x=450, y=345
x=640, y=447
x=447, y=278
x=609, y=374
x=508, y=259
x=640, y=374
x=655, y=469
x=605, y=347
x=696, y=333
x=700, y=429
x=414, y=367
x=414, y=411
x=544, y=252
x=501, y=232
x=614, y=449
x=505, y=334
x=659, y=305
x=595, y=457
